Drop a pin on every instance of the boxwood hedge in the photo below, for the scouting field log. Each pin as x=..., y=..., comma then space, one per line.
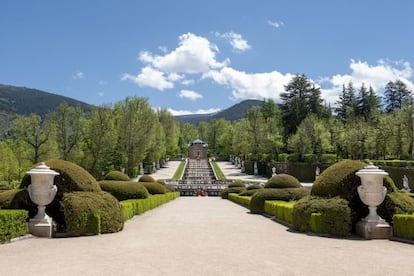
x=116, y=175
x=225, y=192
x=12, y=224
x=124, y=190
x=154, y=188
x=282, y=180
x=256, y=205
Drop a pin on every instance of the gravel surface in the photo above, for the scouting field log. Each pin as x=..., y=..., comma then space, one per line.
x=205, y=236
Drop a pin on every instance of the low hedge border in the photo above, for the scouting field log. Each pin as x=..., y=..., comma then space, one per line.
x=132, y=207
x=13, y=224
x=242, y=200
x=281, y=210
x=403, y=226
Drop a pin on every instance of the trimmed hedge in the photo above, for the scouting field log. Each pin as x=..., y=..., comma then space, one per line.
x=256, y=205
x=124, y=190
x=154, y=188
x=13, y=224
x=236, y=183
x=248, y=192
x=335, y=218
x=146, y=178
x=116, y=175
x=403, y=226
x=18, y=199
x=282, y=210
x=91, y=213
x=226, y=191
x=242, y=200
x=133, y=207
x=254, y=187
x=281, y=181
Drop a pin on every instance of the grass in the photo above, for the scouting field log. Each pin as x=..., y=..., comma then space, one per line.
x=179, y=172
x=217, y=170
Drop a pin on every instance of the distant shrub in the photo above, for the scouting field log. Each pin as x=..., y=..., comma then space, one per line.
x=254, y=187
x=88, y=213
x=334, y=218
x=236, y=183
x=329, y=158
x=256, y=205
x=12, y=224
x=225, y=192
x=146, y=178
x=154, y=188
x=116, y=175
x=282, y=180
x=124, y=190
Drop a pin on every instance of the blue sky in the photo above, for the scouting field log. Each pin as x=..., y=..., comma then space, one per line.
x=203, y=56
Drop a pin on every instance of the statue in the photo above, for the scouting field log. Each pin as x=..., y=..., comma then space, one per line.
x=273, y=171
x=317, y=172
x=405, y=184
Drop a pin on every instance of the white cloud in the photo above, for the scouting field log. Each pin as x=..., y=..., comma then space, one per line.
x=78, y=75
x=275, y=24
x=189, y=94
x=251, y=85
x=377, y=76
x=187, y=112
x=195, y=54
x=150, y=77
x=102, y=83
x=236, y=41
x=101, y=94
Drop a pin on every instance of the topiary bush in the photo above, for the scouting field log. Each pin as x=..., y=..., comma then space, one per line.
x=281, y=181
x=236, y=183
x=154, y=188
x=248, y=192
x=395, y=203
x=254, y=187
x=146, y=178
x=334, y=218
x=17, y=199
x=256, y=205
x=71, y=178
x=226, y=191
x=124, y=190
x=116, y=175
x=338, y=180
x=12, y=224
x=89, y=213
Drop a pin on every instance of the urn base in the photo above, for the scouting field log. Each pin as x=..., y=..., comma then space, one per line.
x=374, y=229
x=41, y=227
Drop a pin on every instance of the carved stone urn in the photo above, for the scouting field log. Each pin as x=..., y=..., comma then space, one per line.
x=372, y=193
x=41, y=192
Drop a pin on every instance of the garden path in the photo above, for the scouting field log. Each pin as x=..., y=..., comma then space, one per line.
x=205, y=236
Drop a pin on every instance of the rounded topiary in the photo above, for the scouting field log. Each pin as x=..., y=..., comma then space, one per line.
x=256, y=205
x=390, y=184
x=71, y=178
x=236, y=183
x=248, y=192
x=282, y=180
x=146, y=178
x=226, y=191
x=116, y=175
x=396, y=203
x=254, y=187
x=338, y=180
x=335, y=212
x=154, y=187
x=124, y=190
x=91, y=213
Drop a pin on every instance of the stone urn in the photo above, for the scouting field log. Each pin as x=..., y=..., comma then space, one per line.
x=372, y=193
x=41, y=192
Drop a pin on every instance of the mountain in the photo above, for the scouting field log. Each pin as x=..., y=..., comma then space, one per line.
x=25, y=101
x=233, y=113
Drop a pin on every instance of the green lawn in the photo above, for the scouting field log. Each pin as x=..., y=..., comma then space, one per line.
x=179, y=171
x=217, y=170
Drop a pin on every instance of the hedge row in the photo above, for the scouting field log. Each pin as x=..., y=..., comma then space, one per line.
x=403, y=226
x=256, y=205
x=242, y=200
x=133, y=207
x=124, y=190
x=13, y=224
x=282, y=210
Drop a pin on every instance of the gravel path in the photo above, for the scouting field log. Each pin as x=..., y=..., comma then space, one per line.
x=205, y=236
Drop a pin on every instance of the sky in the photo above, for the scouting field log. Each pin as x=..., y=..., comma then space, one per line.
x=203, y=56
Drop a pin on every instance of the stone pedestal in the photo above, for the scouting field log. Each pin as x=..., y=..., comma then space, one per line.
x=41, y=227
x=373, y=229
